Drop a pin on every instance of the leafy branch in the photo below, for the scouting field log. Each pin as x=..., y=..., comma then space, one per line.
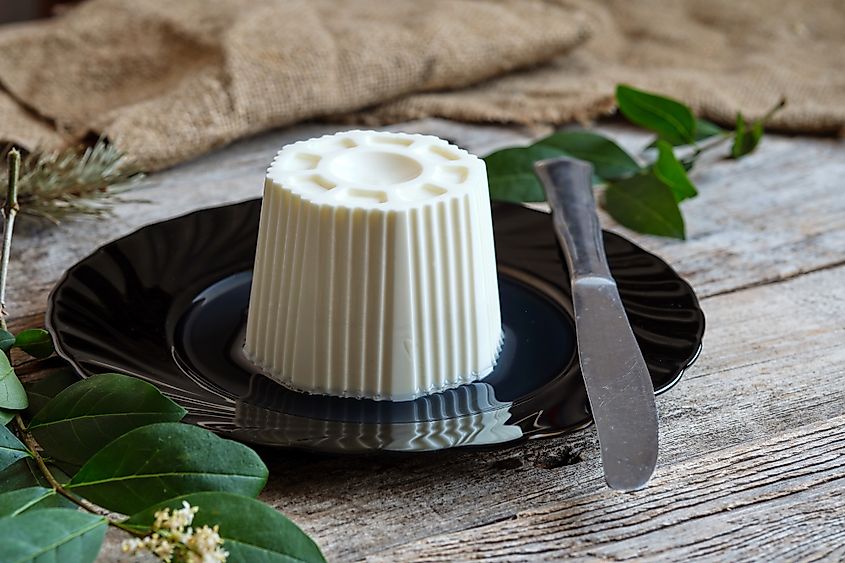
x=643, y=193
x=145, y=463
x=114, y=445
x=33, y=450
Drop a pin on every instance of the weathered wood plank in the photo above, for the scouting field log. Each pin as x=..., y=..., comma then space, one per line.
x=775, y=214
x=773, y=366
x=781, y=498
x=773, y=361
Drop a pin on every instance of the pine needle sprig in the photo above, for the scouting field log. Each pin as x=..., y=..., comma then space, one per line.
x=73, y=181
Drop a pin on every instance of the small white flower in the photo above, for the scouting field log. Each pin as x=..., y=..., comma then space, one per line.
x=132, y=546
x=164, y=550
x=206, y=542
x=173, y=540
x=182, y=517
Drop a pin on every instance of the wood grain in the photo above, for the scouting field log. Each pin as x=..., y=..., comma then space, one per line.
x=751, y=463
x=776, y=214
x=781, y=497
x=772, y=363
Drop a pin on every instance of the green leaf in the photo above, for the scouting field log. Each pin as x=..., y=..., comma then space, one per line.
x=7, y=340
x=11, y=449
x=6, y=416
x=12, y=394
x=89, y=414
x=36, y=342
x=745, y=139
x=160, y=461
x=13, y=503
x=52, y=534
x=671, y=120
x=25, y=473
x=643, y=203
x=510, y=173
x=671, y=172
x=609, y=160
x=40, y=391
x=705, y=129
x=251, y=530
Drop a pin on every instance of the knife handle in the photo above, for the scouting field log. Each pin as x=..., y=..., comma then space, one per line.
x=569, y=190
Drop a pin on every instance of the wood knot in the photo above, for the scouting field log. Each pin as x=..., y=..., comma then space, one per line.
x=558, y=457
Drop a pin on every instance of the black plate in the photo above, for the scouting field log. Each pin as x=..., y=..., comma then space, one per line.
x=167, y=303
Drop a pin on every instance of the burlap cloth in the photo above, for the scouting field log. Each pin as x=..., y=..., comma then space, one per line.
x=167, y=80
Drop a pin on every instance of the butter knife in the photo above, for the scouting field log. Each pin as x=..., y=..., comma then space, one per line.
x=618, y=383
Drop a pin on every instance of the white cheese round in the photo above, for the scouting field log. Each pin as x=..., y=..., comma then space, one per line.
x=375, y=272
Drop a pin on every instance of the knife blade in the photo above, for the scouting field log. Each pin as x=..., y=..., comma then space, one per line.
x=618, y=384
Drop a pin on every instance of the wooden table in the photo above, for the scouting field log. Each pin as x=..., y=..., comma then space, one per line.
x=752, y=460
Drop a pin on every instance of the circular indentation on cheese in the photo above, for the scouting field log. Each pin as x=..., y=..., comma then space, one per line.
x=314, y=183
x=300, y=161
x=361, y=195
x=444, y=152
x=454, y=174
x=420, y=193
x=375, y=167
x=328, y=144
x=392, y=140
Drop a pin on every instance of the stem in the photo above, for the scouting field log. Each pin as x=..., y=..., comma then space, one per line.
x=712, y=144
x=777, y=107
x=721, y=138
x=127, y=529
x=32, y=446
x=10, y=210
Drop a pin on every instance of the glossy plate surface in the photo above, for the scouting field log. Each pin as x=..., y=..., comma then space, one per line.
x=167, y=304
